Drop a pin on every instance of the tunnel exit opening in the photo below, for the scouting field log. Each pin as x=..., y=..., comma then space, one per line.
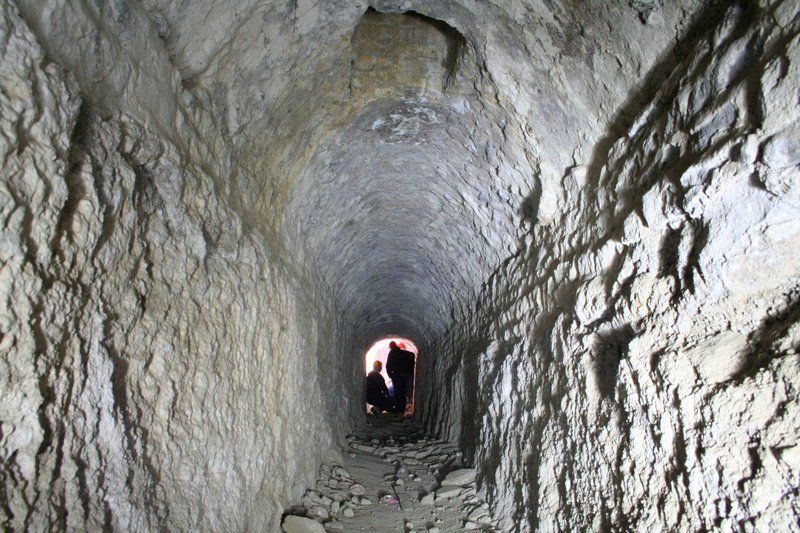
x=391, y=363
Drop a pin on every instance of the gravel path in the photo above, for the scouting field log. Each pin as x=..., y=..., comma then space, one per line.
x=392, y=483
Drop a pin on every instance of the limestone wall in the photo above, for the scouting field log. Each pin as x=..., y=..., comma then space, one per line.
x=159, y=364
x=584, y=213
x=636, y=366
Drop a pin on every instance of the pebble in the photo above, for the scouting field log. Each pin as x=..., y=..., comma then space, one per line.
x=461, y=477
x=301, y=524
x=348, y=513
x=476, y=514
x=427, y=499
x=319, y=511
x=341, y=471
x=448, y=491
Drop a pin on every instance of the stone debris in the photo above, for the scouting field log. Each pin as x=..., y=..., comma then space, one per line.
x=333, y=498
x=352, y=500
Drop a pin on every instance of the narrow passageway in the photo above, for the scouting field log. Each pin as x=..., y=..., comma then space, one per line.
x=393, y=478
x=584, y=214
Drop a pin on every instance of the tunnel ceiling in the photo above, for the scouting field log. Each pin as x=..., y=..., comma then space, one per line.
x=381, y=145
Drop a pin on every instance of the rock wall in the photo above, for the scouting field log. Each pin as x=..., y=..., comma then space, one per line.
x=159, y=363
x=583, y=212
x=635, y=366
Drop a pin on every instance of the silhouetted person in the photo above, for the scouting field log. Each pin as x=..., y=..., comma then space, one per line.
x=400, y=367
x=377, y=393
x=410, y=361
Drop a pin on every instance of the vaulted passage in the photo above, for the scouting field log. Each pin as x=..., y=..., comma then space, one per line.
x=586, y=217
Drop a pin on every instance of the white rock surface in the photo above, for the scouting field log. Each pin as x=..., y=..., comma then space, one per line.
x=300, y=524
x=447, y=491
x=460, y=477
x=587, y=215
x=152, y=341
x=639, y=348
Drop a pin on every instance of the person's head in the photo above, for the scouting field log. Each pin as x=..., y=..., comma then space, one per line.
x=392, y=344
x=401, y=345
x=377, y=365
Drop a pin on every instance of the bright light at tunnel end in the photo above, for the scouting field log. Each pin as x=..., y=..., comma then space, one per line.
x=379, y=351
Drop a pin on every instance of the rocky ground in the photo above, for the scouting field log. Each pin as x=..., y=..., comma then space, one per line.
x=409, y=482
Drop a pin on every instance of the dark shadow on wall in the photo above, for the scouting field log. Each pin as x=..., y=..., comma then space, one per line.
x=455, y=45
x=609, y=349
x=472, y=408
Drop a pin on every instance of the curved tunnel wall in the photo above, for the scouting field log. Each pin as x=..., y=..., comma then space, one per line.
x=204, y=200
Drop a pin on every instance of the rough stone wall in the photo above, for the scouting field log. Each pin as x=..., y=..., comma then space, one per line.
x=636, y=366
x=334, y=176
x=159, y=364
x=189, y=186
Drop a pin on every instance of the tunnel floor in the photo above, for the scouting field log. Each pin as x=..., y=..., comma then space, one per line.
x=393, y=477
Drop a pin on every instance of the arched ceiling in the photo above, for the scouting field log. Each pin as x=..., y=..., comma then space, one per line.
x=389, y=153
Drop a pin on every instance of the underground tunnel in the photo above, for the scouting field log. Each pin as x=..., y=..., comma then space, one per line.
x=584, y=216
